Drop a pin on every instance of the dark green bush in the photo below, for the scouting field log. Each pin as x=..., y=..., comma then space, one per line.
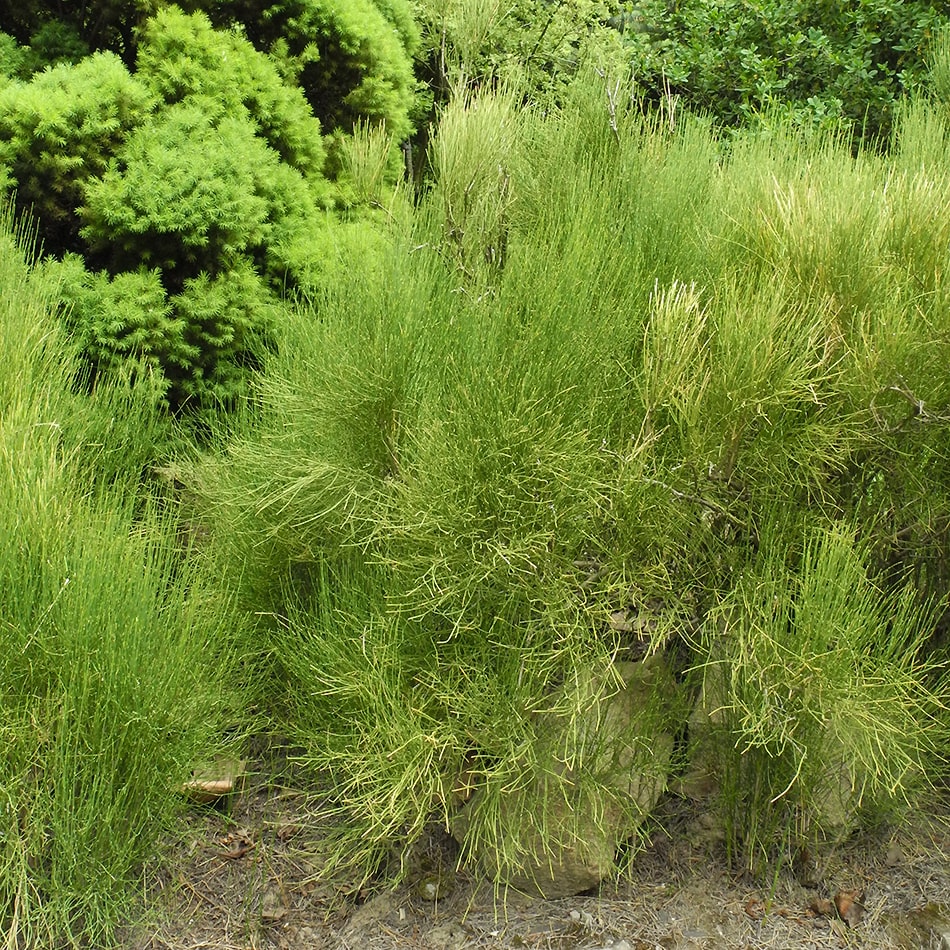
x=57, y=25
x=55, y=42
x=351, y=58
x=822, y=63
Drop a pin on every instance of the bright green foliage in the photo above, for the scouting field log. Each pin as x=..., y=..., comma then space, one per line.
x=606, y=361
x=194, y=183
x=402, y=16
x=821, y=703
x=351, y=58
x=818, y=62
x=113, y=659
x=350, y=61
x=60, y=130
x=123, y=320
x=12, y=58
x=184, y=195
x=183, y=58
x=230, y=319
x=194, y=200
x=199, y=176
x=534, y=46
x=939, y=84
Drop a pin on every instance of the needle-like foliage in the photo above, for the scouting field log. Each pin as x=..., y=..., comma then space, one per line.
x=113, y=662
x=610, y=369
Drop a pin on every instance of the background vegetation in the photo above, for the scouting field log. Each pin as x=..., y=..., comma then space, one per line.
x=572, y=354
x=843, y=65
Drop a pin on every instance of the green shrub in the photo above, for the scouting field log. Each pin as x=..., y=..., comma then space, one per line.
x=820, y=63
x=533, y=46
x=191, y=186
x=196, y=183
x=471, y=462
x=98, y=25
x=182, y=58
x=113, y=655
x=186, y=194
x=351, y=58
x=59, y=131
x=822, y=706
x=190, y=203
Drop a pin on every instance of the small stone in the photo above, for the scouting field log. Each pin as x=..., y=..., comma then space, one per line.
x=578, y=851
x=895, y=855
x=434, y=887
x=447, y=937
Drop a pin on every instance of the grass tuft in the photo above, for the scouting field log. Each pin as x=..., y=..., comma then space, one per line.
x=113, y=653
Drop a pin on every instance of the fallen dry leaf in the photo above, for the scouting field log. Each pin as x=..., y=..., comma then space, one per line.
x=822, y=906
x=236, y=853
x=850, y=906
x=241, y=844
x=754, y=908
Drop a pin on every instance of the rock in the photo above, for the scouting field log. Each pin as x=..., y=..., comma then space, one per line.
x=598, y=776
x=273, y=905
x=450, y=936
x=926, y=927
x=369, y=915
x=435, y=886
x=895, y=855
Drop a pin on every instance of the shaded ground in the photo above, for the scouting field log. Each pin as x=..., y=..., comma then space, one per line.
x=247, y=880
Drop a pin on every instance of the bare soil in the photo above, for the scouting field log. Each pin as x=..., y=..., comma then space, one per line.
x=247, y=878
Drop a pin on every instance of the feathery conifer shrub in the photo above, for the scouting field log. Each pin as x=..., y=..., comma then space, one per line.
x=187, y=200
x=176, y=197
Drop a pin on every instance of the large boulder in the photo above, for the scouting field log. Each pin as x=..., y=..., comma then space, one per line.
x=604, y=772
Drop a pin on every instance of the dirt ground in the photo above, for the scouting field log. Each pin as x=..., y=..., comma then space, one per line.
x=246, y=878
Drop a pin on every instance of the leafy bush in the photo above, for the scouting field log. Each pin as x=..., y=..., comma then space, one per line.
x=182, y=58
x=183, y=196
x=96, y=25
x=198, y=183
x=533, y=46
x=821, y=63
